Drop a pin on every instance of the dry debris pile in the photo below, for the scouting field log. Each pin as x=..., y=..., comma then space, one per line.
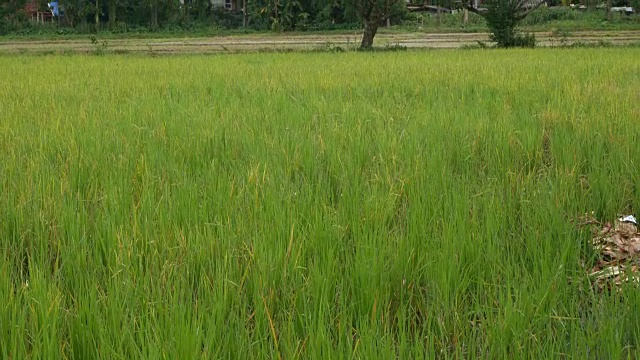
x=618, y=246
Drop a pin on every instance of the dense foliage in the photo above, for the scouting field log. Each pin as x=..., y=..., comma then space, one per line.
x=372, y=13
x=503, y=17
x=200, y=16
x=127, y=15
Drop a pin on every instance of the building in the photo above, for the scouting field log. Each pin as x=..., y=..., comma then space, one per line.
x=232, y=5
x=31, y=7
x=32, y=10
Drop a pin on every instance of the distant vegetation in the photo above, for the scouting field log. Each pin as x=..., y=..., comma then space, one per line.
x=162, y=17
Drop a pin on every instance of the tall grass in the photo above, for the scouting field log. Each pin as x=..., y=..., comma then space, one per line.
x=376, y=205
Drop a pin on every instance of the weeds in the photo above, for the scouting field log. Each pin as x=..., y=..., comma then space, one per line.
x=560, y=36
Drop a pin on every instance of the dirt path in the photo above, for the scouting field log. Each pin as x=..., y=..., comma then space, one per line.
x=290, y=42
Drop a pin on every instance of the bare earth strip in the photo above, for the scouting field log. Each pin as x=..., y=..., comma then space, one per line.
x=243, y=43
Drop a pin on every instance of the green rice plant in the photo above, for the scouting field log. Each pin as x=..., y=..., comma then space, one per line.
x=314, y=205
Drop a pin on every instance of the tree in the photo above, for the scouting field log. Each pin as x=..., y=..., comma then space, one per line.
x=276, y=15
x=154, y=14
x=202, y=6
x=10, y=8
x=113, y=6
x=9, y=13
x=97, y=15
x=372, y=13
x=503, y=16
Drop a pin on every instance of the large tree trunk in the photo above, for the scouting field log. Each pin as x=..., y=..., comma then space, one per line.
x=244, y=13
x=112, y=13
x=185, y=10
x=370, y=30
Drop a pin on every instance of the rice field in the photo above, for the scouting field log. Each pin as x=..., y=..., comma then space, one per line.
x=315, y=205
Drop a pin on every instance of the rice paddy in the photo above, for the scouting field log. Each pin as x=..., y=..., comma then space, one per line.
x=314, y=205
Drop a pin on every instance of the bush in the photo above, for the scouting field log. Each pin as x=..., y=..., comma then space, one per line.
x=276, y=26
x=502, y=18
x=525, y=40
x=11, y=20
x=511, y=38
x=455, y=20
x=226, y=19
x=546, y=14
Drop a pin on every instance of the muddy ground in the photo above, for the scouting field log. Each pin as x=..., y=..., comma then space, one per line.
x=268, y=42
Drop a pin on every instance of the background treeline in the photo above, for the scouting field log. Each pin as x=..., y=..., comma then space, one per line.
x=141, y=15
x=137, y=16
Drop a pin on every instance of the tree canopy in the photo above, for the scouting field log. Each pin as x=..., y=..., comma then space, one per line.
x=503, y=17
x=189, y=14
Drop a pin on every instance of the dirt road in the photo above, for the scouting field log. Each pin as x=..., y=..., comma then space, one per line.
x=243, y=43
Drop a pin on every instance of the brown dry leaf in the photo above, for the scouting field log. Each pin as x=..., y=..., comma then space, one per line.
x=634, y=245
x=619, y=249
x=605, y=229
x=626, y=228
